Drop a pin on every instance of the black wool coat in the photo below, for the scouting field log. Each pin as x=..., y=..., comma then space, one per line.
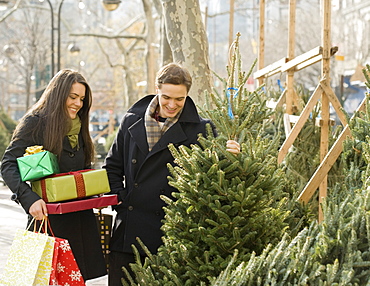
x=140, y=176
x=80, y=228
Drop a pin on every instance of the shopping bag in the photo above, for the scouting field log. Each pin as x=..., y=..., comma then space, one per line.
x=65, y=270
x=29, y=259
x=104, y=222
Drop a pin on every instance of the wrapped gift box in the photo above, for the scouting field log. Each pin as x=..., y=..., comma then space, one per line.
x=72, y=185
x=37, y=166
x=83, y=204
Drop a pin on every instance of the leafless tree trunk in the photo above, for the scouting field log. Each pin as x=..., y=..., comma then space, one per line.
x=188, y=41
x=165, y=52
x=150, y=38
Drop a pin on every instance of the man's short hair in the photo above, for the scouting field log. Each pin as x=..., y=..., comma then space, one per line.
x=173, y=73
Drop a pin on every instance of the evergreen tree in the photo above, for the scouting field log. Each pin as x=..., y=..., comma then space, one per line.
x=335, y=252
x=225, y=203
x=354, y=161
x=7, y=126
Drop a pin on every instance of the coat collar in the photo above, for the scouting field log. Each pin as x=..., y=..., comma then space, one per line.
x=174, y=135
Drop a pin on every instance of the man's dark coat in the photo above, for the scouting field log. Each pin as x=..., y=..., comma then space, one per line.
x=140, y=176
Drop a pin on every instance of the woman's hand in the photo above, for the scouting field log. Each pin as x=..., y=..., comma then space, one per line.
x=233, y=147
x=38, y=209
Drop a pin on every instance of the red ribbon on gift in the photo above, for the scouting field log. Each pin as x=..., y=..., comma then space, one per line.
x=79, y=181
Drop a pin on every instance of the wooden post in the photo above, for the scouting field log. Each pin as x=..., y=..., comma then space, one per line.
x=261, y=48
x=325, y=111
x=289, y=100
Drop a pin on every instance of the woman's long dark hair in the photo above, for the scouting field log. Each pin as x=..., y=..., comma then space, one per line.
x=52, y=108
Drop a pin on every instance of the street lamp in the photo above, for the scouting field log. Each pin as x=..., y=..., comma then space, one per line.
x=4, y=5
x=8, y=50
x=73, y=48
x=52, y=35
x=111, y=5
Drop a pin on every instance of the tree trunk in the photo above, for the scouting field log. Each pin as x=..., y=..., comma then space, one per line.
x=188, y=41
x=150, y=38
x=166, y=53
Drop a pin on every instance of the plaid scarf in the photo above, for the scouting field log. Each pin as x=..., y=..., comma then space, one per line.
x=153, y=129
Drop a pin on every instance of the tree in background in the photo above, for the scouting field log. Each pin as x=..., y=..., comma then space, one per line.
x=7, y=126
x=188, y=41
x=25, y=32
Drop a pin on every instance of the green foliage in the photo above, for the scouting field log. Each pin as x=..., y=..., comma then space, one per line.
x=354, y=160
x=109, y=141
x=303, y=157
x=9, y=123
x=235, y=219
x=335, y=252
x=7, y=126
x=4, y=140
x=225, y=202
x=366, y=72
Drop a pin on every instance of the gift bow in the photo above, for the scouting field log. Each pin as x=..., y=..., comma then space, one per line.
x=33, y=150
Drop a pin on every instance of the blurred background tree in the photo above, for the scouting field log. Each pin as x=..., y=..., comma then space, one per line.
x=119, y=51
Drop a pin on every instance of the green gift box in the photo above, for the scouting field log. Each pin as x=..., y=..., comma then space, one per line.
x=38, y=165
x=72, y=185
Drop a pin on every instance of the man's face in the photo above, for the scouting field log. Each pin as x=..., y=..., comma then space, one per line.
x=171, y=99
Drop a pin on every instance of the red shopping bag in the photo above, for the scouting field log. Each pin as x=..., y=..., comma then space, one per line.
x=64, y=270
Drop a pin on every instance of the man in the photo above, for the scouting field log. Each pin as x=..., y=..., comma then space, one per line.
x=137, y=163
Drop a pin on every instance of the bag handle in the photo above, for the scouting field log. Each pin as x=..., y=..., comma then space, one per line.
x=43, y=228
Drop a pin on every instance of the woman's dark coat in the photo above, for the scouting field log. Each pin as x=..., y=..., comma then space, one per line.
x=140, y=176
x=80, y=228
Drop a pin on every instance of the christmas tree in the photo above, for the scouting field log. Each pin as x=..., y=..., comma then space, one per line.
x=225, y=203
x=334, y=252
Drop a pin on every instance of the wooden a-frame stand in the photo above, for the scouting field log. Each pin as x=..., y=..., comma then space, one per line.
x=323, y=92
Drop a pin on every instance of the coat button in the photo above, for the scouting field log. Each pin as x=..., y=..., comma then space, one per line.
x=136, y=185
x=71, y=154
x=130, y=208
x=133, y=161
x=14, y=197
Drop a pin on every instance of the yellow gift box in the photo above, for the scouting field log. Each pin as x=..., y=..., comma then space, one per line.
x=72, y=185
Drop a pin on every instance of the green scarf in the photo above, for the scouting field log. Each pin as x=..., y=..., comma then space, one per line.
x=73, y=133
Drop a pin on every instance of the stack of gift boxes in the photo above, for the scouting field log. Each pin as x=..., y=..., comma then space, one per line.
x=64, y=192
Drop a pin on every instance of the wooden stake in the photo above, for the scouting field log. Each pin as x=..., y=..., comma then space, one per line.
x=291, y=45
x=325, y=108
x=261, y=48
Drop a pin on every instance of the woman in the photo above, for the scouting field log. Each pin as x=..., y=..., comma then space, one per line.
x=59, y=122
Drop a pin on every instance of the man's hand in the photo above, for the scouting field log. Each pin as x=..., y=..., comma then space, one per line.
x=38, y=209
x=233, y=147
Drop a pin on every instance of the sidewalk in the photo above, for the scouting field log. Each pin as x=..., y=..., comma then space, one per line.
x=12, y=217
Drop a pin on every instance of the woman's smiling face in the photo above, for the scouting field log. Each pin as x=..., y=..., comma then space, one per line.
x=75, y=99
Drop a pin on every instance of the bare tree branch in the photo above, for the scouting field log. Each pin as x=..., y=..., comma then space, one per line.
x=107, y=57
x=141, y=37
x=10, y=11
